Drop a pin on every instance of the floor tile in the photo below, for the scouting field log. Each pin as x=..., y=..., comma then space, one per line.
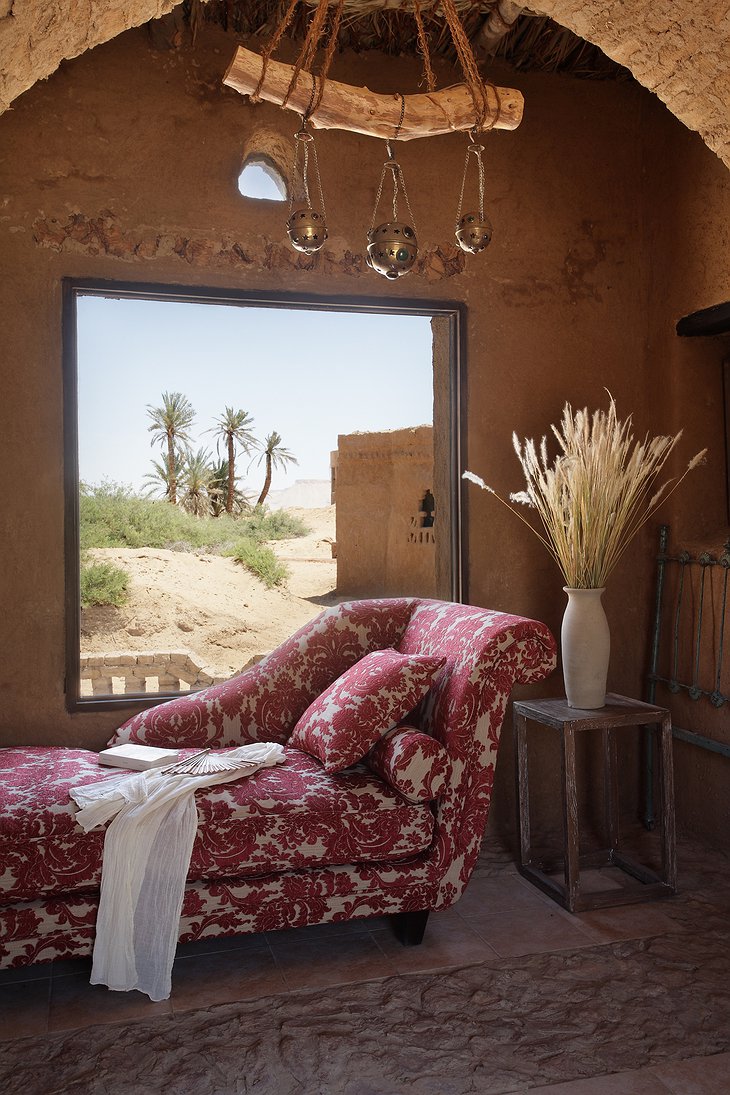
x=486, y=894
x=627, y=922
x=596, y=880
x=76, y=1003
x=641, y=1082
x=697, y=1076
x=65, y=966
x=530, y=931
x=225, y=977
x=222, y=943
x=24, y=1009
x=449, y=941
x=315, y=932
x=38, y=972
x=332, y=961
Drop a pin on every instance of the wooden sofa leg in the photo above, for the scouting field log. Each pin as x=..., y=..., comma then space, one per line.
x=410, y=927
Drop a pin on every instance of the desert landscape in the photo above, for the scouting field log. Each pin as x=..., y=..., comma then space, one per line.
x=210, y=606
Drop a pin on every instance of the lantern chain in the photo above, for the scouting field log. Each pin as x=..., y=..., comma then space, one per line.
x=399, y=182
x=476, y=150
x=304, y=138
x=319, y=181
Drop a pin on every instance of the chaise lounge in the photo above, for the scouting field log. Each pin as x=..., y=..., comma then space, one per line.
x=396, y=832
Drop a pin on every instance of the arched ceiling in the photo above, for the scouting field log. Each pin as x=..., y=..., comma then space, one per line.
x=676, y=48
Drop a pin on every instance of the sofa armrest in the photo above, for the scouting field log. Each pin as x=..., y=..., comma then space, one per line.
x=487, y=653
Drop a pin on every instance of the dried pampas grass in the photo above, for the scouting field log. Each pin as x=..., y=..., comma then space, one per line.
x=596, y=494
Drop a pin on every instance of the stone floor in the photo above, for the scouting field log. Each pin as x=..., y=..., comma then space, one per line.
x=507, y=993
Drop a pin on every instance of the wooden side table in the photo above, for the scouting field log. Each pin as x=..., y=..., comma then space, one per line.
x=570, y=721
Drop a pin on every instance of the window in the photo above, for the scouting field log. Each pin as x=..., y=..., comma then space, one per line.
x=261, y=179
x=347, y=370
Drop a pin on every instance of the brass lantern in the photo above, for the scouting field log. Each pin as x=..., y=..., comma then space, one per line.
x=306, y=226
x=392, y=245
x=473, y=233
x=473, y=230
x=392, y=249
x=306, y=230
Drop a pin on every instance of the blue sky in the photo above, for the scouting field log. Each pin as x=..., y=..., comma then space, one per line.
x=310, y=375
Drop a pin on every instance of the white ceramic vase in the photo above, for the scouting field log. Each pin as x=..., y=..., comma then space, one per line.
x=586, y=647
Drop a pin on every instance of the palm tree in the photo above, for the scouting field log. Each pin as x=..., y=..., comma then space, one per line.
x=276, y=456
x=196, y=480
x=170, y=428
x=231, y=427
x=218, y=490
x=158, y=481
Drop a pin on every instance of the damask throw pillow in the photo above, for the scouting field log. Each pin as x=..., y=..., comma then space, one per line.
x=413, y=763
x=346, y=720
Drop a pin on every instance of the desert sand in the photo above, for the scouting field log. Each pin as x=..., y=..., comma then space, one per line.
x=210, y=606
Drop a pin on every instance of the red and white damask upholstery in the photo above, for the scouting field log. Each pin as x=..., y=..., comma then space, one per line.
x=412, y=763
x=289, y=817
x=319, y=865
x=342, y=724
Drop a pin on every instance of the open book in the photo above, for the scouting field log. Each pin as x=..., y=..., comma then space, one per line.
x=138, y=757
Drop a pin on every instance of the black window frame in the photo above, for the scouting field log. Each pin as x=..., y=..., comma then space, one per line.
x=73, y=288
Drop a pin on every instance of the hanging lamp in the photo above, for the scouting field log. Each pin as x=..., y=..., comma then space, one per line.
x=477, y=105
x=473, y=230
x=393, y=245
x=306, y=226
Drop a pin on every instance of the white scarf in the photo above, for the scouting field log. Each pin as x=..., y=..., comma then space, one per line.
x=147, y=851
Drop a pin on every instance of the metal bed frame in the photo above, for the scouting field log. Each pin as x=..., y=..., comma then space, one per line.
x=684, y=561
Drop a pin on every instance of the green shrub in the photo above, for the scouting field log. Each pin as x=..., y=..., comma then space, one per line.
x=262, y=524
x=103, y=584
x=111, y=515
x=260, y=561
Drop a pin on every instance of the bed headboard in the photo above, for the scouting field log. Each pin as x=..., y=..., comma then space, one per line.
x=690, y=644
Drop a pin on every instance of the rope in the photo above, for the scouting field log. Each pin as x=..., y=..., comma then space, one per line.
x=423, y=47
x=477, y=87
x=312, y=95
x=309, y=49
x=331, y=47
x=268, y=51
x=305, y=61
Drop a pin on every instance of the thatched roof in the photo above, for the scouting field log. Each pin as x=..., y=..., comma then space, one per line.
x=532, y=42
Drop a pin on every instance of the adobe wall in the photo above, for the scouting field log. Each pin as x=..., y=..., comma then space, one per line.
x=687, y=200
x=123, y=166
x=383, y=550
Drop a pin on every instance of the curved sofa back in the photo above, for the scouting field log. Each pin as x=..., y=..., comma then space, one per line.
x=264, y=702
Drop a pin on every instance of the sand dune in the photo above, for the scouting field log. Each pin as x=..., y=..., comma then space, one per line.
x=211, y=606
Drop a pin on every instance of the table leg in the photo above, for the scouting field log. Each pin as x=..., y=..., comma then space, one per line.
x=523, y=789
x=610, y=788
x=570, y=818
x=669, y=846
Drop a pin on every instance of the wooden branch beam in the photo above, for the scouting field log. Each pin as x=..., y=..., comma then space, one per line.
x=359, y=110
